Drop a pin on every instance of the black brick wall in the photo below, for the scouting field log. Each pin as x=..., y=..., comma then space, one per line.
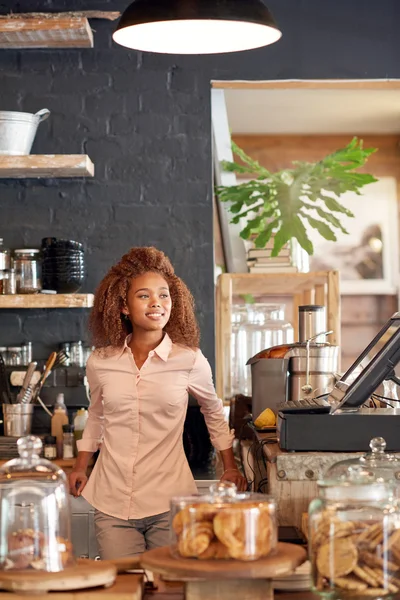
x=145, y=121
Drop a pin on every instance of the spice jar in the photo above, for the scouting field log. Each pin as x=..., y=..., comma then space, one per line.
x=50, y=447
x=68, y=442
x=354, y=529
x=28, y=271
x=223, y=525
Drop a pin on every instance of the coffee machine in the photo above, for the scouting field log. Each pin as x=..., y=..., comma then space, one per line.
x=304, y=370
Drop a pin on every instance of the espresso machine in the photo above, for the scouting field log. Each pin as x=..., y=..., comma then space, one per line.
x=303, y=371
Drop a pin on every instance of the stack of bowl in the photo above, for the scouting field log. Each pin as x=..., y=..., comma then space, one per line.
x=63, y=268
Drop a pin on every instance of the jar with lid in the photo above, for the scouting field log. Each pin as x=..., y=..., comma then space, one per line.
x=50, y=447
x=28, y=271
x=224, y=524
x=35, y=528
x=354, y=528
x=68, y=441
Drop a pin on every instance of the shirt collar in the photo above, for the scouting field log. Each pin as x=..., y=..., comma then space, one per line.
x=163, y=349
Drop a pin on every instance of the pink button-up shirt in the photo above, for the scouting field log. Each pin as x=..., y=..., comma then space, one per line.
x=137, y=416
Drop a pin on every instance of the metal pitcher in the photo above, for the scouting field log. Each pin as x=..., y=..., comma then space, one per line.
x=18, y=130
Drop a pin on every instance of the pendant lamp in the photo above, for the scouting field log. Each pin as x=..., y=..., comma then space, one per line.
x=196, y=26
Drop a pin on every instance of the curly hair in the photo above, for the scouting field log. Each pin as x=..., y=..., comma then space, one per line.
x=108, y=325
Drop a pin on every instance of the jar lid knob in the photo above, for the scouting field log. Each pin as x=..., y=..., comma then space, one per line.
x=30, y=445
x=223, y=489
x=377, y=445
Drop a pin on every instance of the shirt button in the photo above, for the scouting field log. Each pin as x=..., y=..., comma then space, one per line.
x=151, y=353
x=137, y=377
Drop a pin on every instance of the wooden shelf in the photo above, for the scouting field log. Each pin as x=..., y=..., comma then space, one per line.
x=45, y=166
x=50, y=30
x=60, y=32
x=47, y=301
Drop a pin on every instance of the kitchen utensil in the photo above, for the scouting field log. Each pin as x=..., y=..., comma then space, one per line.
x=62, y=359
x=49, y=365
x=18, y=130
x=26, y=384
x=17, y=419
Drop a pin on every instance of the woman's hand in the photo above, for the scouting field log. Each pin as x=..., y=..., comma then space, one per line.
x=234, y=476
x=77, y=481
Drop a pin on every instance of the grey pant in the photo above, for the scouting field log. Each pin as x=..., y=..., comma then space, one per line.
x=117, y=538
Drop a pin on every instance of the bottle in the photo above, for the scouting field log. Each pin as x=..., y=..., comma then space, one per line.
x=59, y=419
x=80, y=422
x=50, y=447
x=68, y=442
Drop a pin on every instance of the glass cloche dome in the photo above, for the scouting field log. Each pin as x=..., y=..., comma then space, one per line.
x=35, y=516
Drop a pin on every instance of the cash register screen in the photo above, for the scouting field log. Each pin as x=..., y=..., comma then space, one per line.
x=373, y=365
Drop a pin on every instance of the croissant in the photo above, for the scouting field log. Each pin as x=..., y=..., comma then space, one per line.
x=245, y=532
x=191, y=514
x=216, y=549
x=195, y=539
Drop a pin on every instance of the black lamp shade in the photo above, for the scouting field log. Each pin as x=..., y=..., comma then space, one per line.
x=196, y=26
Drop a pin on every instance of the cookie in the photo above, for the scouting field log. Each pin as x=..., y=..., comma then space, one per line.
x=337, y=558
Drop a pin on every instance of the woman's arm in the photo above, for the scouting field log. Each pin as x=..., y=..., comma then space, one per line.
x=92, y=435
x=201, y=386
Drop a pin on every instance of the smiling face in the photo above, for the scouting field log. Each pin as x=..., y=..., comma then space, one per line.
x=148, y=302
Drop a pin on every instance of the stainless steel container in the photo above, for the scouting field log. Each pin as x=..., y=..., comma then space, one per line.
x=18, y=130
x=17, y=419
x=315, y=376
x=312, y=321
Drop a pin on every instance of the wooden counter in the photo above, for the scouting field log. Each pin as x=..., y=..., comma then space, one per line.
x=293, y=476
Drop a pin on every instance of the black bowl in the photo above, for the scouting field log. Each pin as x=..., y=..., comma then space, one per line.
x=52, y=242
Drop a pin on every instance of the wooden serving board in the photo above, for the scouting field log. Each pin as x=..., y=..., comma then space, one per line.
x=85, y=574
x=225, y=579
x=126, y=587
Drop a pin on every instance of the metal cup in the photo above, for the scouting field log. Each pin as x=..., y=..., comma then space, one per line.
x=17, y=419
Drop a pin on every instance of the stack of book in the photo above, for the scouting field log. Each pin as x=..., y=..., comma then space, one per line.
x=291, y=259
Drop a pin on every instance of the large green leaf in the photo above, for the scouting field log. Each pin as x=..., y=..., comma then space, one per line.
x=284, y=198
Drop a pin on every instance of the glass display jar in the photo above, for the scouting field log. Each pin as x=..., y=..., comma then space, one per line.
x=238, y=368
x=27, y=271
x=266, y=327
x=224, y=524
x=354, y=528
x=35, y=513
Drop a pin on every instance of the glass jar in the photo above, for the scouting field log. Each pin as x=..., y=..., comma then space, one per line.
x=35, y=513
x=50, y=447
x=265, y=327
x=223, y=525
x=28, y=271
x=14, y=356
x=238, y=368
x=68, y=442
x=354, y=530
x=276, y=330
x=76, y=354
x=5, y=256
x=26, y=353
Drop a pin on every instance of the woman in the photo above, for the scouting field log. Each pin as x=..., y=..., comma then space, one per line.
x=146, y=362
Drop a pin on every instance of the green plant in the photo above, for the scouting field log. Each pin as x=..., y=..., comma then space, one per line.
x=283, y=203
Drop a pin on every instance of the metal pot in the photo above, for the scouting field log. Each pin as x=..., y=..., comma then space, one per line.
x=18, y=130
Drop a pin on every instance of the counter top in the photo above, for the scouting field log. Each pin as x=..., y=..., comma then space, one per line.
x=60, y=462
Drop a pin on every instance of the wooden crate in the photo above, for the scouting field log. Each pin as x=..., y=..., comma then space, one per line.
x=303, y=288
